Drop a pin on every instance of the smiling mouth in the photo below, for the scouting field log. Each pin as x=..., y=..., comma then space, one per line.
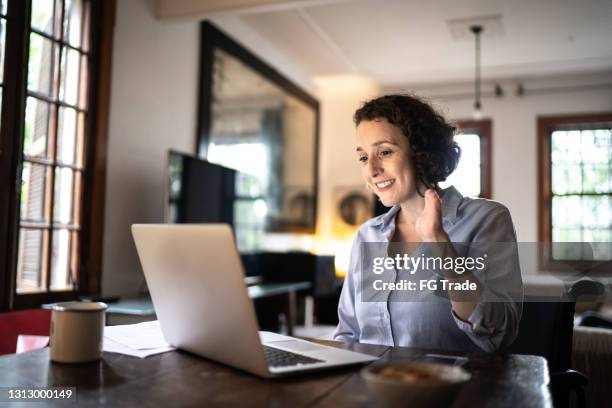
x=384, y=185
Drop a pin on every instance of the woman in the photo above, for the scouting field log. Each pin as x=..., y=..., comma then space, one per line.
x=406, y=148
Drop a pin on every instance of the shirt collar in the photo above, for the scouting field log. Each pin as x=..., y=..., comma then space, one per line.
x=451, y=198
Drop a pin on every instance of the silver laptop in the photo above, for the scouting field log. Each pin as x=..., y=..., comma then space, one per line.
x=196, y=281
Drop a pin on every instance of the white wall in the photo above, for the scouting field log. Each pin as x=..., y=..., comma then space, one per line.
x=153, y=108
x=339, y=97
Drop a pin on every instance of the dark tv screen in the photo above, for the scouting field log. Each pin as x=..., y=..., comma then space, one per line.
x=199, y=191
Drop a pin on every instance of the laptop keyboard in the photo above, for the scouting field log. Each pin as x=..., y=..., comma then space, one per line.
x=281, y=358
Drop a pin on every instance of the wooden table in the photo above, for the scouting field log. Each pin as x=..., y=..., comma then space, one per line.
x=181, y=379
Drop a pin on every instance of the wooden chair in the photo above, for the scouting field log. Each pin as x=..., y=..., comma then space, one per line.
x=546, y=329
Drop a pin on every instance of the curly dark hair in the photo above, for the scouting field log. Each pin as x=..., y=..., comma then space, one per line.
x=435, y=154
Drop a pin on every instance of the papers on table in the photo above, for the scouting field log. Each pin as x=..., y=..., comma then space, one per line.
x=138, y=340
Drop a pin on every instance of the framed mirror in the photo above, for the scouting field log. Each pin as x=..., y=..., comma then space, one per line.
x=256, y=121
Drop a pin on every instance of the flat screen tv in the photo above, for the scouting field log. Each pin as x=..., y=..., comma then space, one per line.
x=198, y=191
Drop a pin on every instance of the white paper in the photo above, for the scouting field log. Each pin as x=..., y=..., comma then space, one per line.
x=141, y=336
x=137, y=340
x=111, y=346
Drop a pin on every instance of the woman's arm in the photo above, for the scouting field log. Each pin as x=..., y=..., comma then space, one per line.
x=348, y=326
x=489, y=315
x=494, y=322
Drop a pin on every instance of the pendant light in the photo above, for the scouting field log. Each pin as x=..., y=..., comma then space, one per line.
x=477, y=114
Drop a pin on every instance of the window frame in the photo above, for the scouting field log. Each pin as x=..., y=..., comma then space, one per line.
x=11, y=154
x=545, y=126
x=482, y=128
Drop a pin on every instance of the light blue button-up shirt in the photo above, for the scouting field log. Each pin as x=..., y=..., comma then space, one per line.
x=491, y=326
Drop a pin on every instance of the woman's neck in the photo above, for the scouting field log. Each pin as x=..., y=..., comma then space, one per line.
x=411, y=209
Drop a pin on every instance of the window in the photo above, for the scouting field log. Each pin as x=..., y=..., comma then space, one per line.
x=575, y=194
x=53, y=146
x=472, y=177
x=49, y=146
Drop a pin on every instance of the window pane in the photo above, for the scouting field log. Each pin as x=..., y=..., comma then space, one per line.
x=66, y=135
x=567, y=235
x=83, y=82
x=63, y=195
x=245, y=214
x=566, y=179
x=2, y=46
x=597, y=178
x=73, y=22
x=42, y=64
x=42, y=15
x=564, y=147
x=3, y=6
x=247, y=185
x=30, y=260
x=61, y=260
x=598, y=235
x=249, y=225
x=36, y=130
x=69, y=76
x=33, y=188
x=596, y=212
x=466, y=177
x=567, y=211
x=595, y=146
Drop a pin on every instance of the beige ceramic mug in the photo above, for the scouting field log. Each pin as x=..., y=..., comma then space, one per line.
x=76, y=331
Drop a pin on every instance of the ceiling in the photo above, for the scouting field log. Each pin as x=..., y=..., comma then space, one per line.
x=409, y=41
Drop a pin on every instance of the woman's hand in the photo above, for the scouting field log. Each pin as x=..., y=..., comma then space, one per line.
x=429, y=224
x=429, y=227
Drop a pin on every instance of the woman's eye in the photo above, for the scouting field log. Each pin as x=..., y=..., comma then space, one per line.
x=385, y=153
x=363, y=159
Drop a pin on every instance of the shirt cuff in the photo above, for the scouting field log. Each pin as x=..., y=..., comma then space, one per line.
x=475, y=324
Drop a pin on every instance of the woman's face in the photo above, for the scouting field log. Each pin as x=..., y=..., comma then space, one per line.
x=384, y=154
